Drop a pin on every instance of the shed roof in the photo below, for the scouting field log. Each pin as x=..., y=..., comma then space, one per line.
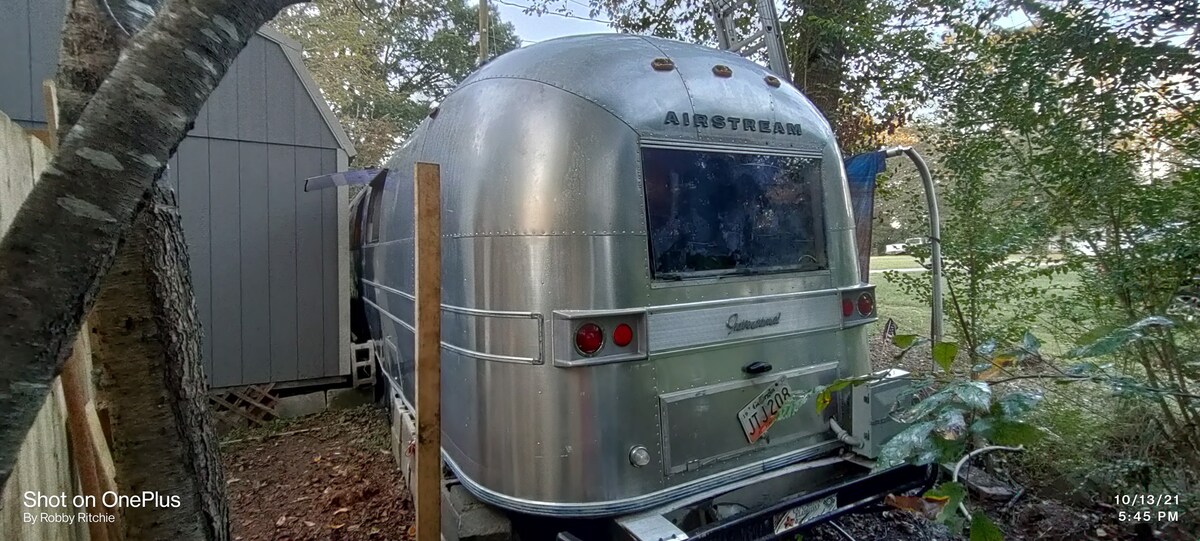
x=292, y=50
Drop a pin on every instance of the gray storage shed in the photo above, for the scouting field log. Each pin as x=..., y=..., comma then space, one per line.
x=269, y=261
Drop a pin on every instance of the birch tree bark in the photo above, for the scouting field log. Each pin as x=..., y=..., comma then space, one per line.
x=146, y=343
x=66, y=235
x=144, y=327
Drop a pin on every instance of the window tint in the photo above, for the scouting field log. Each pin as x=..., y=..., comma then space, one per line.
x=715, y=214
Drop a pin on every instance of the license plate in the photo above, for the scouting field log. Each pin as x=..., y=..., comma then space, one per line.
x=758, y=416
x=803, y=514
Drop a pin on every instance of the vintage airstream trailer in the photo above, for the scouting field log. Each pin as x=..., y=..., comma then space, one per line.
x=647, y=248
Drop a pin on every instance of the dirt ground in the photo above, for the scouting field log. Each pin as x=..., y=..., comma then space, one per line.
x=328, y=477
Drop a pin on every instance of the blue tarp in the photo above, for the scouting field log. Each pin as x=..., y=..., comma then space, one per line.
x=861, y=171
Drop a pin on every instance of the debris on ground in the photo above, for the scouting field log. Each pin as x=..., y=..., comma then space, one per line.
x=328, y=477
x=890, y=525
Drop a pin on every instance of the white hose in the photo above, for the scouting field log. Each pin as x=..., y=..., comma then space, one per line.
x=842, y=435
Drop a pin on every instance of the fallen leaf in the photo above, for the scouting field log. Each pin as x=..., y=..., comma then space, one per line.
x=340, y=511
x=926, y=506
x=282, y=520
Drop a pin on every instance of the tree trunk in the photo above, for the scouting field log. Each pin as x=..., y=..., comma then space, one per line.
x=147, y=333
x=146, y=345
x=66, y=235
x=819, y=69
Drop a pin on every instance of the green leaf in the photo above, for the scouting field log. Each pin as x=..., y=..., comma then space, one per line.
x=904, y=446
x=1106, y=345
x=946, y=451
x=792, y=406
x=905, y=341
x=954, y=493
x=951, y=424
x=944, y=353
x=986, y=349
x=982, y=529
x=1030, y=343
x=1119, y=338
x=922, y=409
x=1152, y=321
x=824, y=398
x=1095, y=334
x=976, y=395
x=1015, y=404
x=839, y=384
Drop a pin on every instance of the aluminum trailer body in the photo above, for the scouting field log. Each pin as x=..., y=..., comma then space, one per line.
x=647, y=248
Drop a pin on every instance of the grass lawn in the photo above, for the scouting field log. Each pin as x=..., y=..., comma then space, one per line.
x=912, y=315
x=889, y=262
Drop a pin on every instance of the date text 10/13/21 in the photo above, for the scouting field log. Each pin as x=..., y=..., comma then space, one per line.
x=1144, y=501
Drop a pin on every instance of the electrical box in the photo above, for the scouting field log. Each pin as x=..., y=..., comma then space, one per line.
x=872, y=405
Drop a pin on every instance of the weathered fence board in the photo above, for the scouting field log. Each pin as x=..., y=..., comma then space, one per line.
x=44, y=465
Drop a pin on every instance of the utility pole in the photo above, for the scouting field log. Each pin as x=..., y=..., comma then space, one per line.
x=484, y=12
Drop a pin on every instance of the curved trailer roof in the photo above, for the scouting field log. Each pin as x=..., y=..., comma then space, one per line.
x=609, y=70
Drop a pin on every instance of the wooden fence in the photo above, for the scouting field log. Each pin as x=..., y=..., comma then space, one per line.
x=68, y=431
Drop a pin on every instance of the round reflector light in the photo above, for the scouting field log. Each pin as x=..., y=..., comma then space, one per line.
x=847, y=308
x=622, y=335
x=866, y=304
x=588, y=338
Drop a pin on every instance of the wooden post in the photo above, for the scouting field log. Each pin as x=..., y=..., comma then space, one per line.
x=76, y=382
x=427, y=197
x=50, y=101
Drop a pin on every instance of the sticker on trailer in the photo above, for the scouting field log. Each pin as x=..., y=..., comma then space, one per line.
x=804, y=514
x=758, y=416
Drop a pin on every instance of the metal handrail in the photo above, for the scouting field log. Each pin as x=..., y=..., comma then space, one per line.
x=935, y=237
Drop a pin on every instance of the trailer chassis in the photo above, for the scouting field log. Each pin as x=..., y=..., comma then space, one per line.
x=772, y=505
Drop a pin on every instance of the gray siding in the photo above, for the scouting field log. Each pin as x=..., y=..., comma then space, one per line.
x=255, y=362
x=263, y=253
x=16, y=95
x=263, y=257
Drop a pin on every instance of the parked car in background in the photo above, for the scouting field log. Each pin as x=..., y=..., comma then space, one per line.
x=903, y=247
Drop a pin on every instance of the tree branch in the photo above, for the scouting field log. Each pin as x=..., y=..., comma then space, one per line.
x=65, y=236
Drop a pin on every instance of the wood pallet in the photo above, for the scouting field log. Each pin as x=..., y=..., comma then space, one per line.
x=253, y=404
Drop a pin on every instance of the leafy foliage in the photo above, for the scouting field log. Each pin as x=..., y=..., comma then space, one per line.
x=982, y=529
x=860, y=61
x=382, y=64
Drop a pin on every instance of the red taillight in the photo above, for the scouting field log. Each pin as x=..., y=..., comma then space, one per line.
x=589, y=338
x=847, y=308
x=622, y=335
x=866, y=304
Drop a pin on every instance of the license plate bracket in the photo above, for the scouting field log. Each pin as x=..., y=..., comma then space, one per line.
x=803, y=514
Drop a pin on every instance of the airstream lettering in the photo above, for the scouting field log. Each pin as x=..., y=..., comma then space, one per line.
x=720, y=122
x=627, y=300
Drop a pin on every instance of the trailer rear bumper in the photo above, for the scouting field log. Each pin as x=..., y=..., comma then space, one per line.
x=773, y=516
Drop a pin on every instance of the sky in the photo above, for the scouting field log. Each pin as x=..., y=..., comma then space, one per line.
x=535, y=28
